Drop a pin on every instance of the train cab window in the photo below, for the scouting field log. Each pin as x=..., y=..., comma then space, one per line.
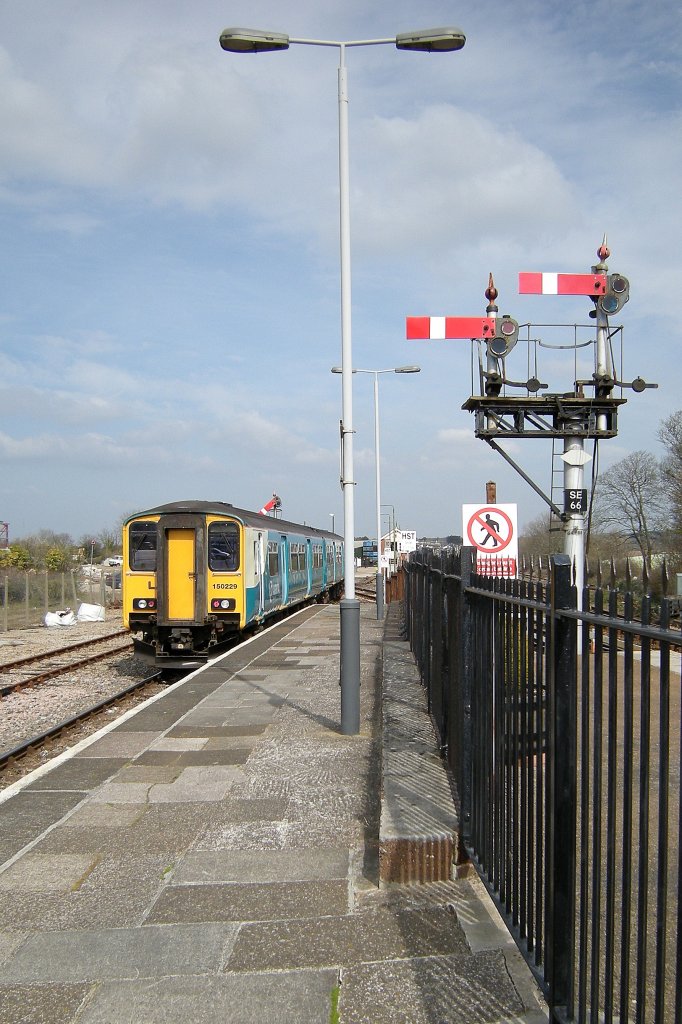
x=142, y=544
x=223, y=547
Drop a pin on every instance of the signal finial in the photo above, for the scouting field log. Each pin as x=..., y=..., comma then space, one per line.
x=603, y=252
x=491, y=291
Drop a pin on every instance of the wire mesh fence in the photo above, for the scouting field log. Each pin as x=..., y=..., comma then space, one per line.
x=26, y=596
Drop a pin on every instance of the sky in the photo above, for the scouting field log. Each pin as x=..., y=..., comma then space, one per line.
x=170, y=296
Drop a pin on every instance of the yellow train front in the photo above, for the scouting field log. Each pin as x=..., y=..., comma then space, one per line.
x=196, y=573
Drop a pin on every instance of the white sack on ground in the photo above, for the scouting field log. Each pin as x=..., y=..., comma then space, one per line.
x=91, y=613
x=62, y=618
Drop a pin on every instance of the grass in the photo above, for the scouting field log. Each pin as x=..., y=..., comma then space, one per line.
x=334, y=1009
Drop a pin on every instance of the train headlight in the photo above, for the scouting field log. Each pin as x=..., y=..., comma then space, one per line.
x=222, y=604
x=145, y=604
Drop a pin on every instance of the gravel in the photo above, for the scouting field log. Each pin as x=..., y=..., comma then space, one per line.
x=34, y=710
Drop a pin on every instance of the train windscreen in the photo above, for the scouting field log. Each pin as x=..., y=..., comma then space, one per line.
x=223, y=547
x=142, y=546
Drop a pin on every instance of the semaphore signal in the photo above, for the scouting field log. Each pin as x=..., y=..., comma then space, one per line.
x=570, y=416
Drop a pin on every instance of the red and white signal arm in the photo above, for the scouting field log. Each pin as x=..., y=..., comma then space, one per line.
x=537, y=283
x=491, y=529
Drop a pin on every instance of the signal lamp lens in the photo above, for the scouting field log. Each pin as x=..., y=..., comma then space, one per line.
x=619, y=285
x=610, y=304
x=498, y=347
x=507, y=327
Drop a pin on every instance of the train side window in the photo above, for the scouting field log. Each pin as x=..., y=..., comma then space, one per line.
x=223, y=547
x=273, y=559
x=142, y=547
x=297, y=557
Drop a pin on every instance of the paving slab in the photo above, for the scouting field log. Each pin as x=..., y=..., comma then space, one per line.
x=26, y=816
x=250, y=901
x=79, y=774
x=41, y=1004
x=430, y=990
x=117, y=893
x=262, y=866
x=119, y=744
x=150, y=952
x=41, y=872
x=303, y=997
x=351, y=939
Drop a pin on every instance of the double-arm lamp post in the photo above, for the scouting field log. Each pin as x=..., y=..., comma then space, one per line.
x=377, y=467
x=440, y=40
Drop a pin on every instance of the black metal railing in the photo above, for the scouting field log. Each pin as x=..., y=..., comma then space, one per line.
x=561, y=726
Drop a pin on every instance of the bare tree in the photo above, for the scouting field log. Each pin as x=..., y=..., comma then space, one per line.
x=630, y=502
x=537, y=539
x=670, y=435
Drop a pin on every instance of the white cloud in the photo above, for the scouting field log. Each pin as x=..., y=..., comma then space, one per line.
x=171, y=237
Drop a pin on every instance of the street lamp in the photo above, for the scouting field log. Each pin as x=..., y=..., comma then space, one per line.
x=443, y=40
x=377, y=466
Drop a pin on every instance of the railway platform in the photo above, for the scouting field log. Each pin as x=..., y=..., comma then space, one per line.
x=223, y=854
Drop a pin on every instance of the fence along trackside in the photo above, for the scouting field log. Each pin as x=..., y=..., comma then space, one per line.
x=562, y=732
x=25, y=596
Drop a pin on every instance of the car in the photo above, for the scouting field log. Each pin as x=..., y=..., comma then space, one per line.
x=115, y=560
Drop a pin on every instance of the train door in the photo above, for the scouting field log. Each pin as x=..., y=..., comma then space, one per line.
x=309, y=564
x=260, y=572
x=180, y=576
x=182, y=571
x=284, y=567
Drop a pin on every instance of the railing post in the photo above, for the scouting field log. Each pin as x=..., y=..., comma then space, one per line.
x=465, y=669
x=435, y=695
x=561, y=824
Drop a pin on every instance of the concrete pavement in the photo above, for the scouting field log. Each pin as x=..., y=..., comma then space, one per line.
x=215, y=856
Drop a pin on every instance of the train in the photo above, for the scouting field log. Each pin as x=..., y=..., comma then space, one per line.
x=197, y=574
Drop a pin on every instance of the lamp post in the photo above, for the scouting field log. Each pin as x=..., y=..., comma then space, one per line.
x=332, y=518
x=443, y=40
x=377, y=467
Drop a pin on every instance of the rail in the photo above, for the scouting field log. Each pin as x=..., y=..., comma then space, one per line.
x=8, y=757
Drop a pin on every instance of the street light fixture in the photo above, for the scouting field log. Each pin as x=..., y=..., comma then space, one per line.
x=443, y=40
x=377, y=467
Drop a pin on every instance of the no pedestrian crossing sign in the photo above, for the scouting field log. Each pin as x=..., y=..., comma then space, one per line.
x=492, y=530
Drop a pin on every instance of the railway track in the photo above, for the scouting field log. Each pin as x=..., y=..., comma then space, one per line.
x=66, y=729
x=52, y=699
x=39, y=668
